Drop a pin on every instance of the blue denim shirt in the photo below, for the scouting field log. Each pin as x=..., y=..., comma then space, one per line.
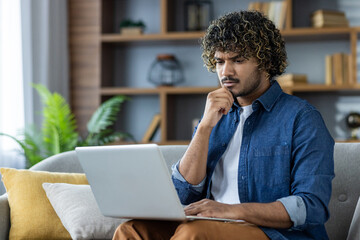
x=286, y=151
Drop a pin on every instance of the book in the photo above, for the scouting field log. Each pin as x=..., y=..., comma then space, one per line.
x=151, y=130
x=345, y=65
x=291, y=79
x=329, y=18
x=338, y=69
x=328, y=12
x=324, y=24
x=351, y=71
x=283, y=15
x=274, y=10
x=328, y=70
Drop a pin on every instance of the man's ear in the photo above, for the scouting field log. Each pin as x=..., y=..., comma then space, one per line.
x=264, y=74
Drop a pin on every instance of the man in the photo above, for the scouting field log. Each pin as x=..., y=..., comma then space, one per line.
x=257, y=154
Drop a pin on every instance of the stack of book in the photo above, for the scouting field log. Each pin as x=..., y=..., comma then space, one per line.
x=329, y=18
x=290, y=79
x=337, y=69
x=274, y=10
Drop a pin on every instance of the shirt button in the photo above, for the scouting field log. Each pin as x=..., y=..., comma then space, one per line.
x=242, y=177
x=342, y=197
x=223, y=144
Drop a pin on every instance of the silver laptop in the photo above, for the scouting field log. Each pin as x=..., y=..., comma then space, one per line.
x=132, y=181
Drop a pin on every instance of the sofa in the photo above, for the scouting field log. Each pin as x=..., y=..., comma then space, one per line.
x=343, y=223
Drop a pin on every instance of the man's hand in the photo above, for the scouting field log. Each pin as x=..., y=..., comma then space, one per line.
x=218, y=103
x=210, y=208
x=272, y=214
x=193, y=164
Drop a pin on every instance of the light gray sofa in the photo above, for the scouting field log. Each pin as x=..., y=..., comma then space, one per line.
x=346, y=186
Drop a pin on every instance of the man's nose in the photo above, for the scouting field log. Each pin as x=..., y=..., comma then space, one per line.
x=228, y=69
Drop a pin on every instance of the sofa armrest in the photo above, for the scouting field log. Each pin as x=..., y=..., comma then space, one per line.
x=4, y=217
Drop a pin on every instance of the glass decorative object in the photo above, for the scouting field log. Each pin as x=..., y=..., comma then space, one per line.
x=353, y=122
x=165, y=71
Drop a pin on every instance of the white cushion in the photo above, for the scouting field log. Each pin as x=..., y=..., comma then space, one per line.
x=78, y=211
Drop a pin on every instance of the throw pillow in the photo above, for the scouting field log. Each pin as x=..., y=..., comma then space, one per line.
x=31, y=214
x=79, y=213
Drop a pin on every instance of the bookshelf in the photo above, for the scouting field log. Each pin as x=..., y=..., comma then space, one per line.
x=94, y=45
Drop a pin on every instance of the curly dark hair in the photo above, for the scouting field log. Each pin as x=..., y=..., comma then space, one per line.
x=250, y=34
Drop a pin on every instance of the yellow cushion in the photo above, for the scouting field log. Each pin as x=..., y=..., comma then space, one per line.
x=32, y=216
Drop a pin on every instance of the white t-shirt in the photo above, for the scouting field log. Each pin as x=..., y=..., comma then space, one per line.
x=224, y=186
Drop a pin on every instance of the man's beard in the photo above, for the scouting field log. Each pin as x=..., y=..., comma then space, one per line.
x=253, y=83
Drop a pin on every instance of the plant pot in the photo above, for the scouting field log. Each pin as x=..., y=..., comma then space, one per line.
x=131, y=30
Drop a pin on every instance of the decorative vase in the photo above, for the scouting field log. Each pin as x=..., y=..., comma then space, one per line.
x=165, y=71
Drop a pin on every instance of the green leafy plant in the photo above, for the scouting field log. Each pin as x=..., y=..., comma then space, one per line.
x=131, y=23
x=58, y=133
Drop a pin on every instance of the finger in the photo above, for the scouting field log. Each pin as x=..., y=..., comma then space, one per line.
x=224, y=97
x=224, y=106
x=191, y=211
x=194, y=208
x=221, y=105
x=229, y=98
x=225, y=93
x=229, y=93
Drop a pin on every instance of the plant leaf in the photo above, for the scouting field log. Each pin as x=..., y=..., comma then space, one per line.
x=105, y=115
x=33, y=142
x=29, y=146
x=59, y=125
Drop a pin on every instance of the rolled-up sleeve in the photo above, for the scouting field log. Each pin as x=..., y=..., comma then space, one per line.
x=296, y=209
x=177, y=175
x=187, y=192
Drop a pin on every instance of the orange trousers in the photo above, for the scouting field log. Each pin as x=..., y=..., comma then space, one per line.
x=190, y=230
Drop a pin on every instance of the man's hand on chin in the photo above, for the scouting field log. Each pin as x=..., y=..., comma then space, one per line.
x=210, y=208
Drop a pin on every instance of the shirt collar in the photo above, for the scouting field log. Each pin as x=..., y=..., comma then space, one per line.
x=268, y=99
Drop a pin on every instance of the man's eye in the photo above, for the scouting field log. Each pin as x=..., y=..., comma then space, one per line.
x=219, y=62
x=239, y=60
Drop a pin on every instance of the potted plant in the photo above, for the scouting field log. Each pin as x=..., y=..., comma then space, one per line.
x=131, y=27
x=58, y=133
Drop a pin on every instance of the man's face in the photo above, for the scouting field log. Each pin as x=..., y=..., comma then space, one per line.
x=241, y=76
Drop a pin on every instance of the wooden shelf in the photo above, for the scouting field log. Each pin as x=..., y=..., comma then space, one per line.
x=309, y=33
x=110, y=91
x=320, y=88
x=116, y=37
x=187, y=90
x=348, y=141
x=317, y=31
x=174, y=142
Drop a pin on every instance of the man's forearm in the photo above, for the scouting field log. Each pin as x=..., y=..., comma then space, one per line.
x=193, y=164
x=272, y=215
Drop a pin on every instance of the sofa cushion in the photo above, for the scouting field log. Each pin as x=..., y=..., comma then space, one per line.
x=78, y=211
x=31, y=214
